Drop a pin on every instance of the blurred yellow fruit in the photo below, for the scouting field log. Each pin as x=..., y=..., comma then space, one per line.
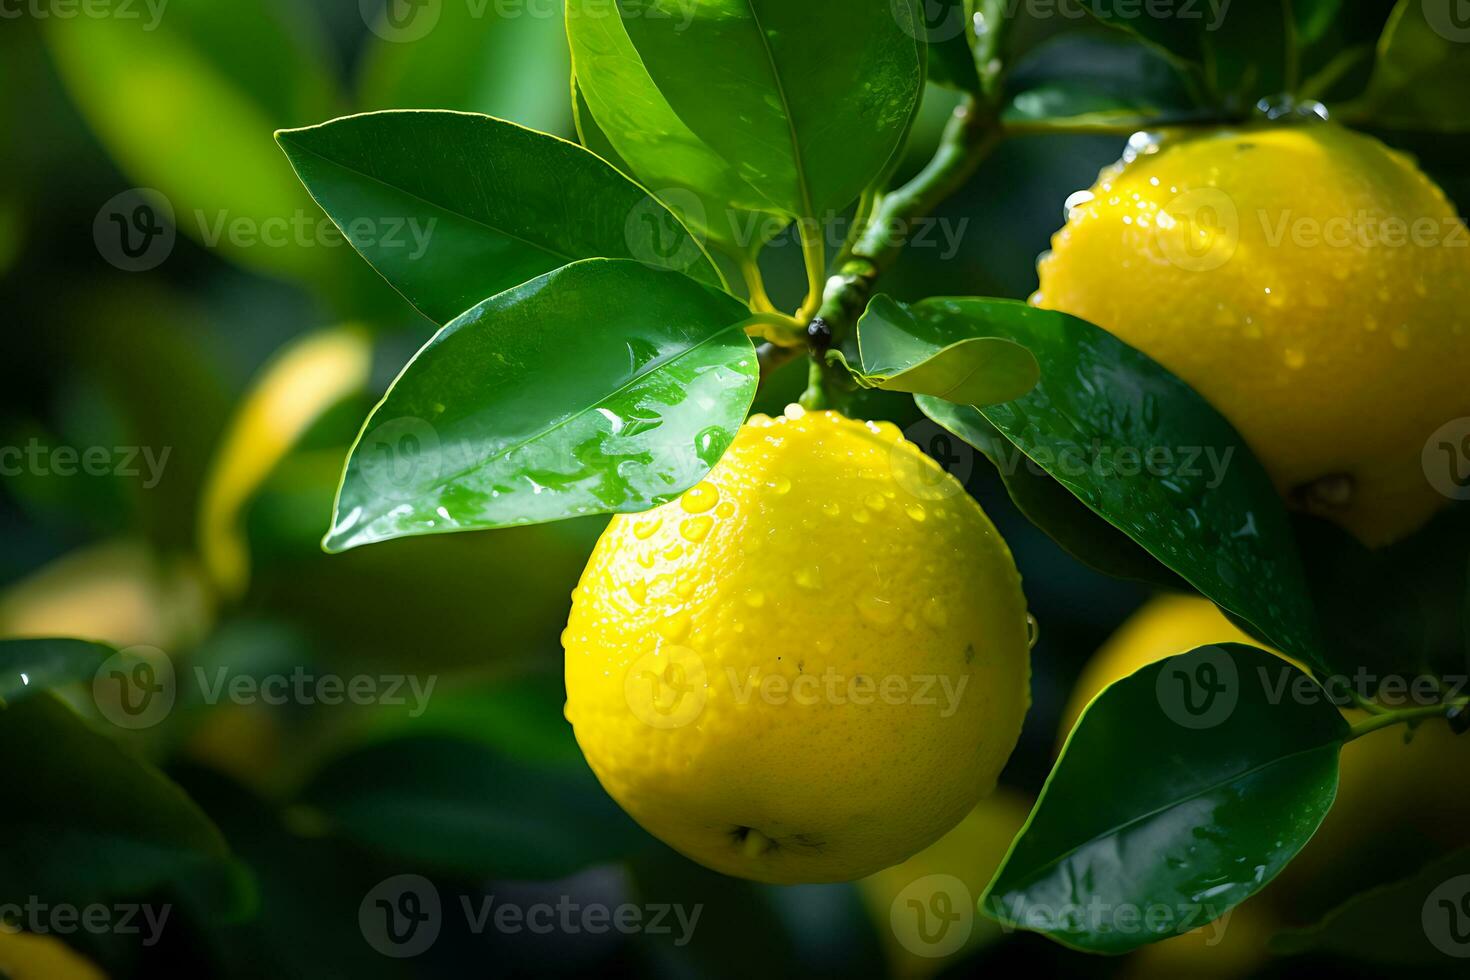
x=925, y=908
x=119, y=593
x=25, y=956
x=809, y=666
x=1167, y=625
x=1310, y=282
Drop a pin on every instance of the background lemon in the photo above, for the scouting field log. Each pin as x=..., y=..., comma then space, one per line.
x=1397, y=804
x=26, y=956
x=1310, y=282
x=947, y=877
x=808, y=667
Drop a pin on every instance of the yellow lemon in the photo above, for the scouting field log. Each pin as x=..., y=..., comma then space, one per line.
x=26, y=956
x=809, y=666
x=1312, y=284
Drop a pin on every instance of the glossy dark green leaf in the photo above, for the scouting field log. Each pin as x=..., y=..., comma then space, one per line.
x=1422, y=920
x=1182, y=791
x=28, y=666
x=678, y=166
x=212, y=97
x=453, y=207
x=603, y=387
x=1049, y=505
x=1143, y=450
x=458, y=806
x=934, y=348
x=809, y=100
x=90, y=821
x=1422, y=70
x=508, y=62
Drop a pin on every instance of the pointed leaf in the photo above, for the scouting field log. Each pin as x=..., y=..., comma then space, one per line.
x=1182, y=791
x=603, y=387
x=932, y=348
x=453, y=207
x=809, y=100
x=677, y=166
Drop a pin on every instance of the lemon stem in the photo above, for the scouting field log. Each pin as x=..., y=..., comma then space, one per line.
x=969, y=137
x=1389, y=718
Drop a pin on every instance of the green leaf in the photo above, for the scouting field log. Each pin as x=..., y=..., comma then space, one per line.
x=1422, y=71
x=590, y=135
x=506, y=62
x=452, y=207
x=1239, y=50
x=187, y=107
x=947, y=26
x=28, y=666
x=1047, y=504
x=680, y=168
x=1143, y=450
x=456, y=806
x=1182, y=791
x=1418, y=921
x=933, y=348
x=90, y=821
x=603, y=387
x=810, y=100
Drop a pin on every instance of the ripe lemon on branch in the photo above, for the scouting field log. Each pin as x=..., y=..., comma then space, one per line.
x=808, y=667
x=1310, y=282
